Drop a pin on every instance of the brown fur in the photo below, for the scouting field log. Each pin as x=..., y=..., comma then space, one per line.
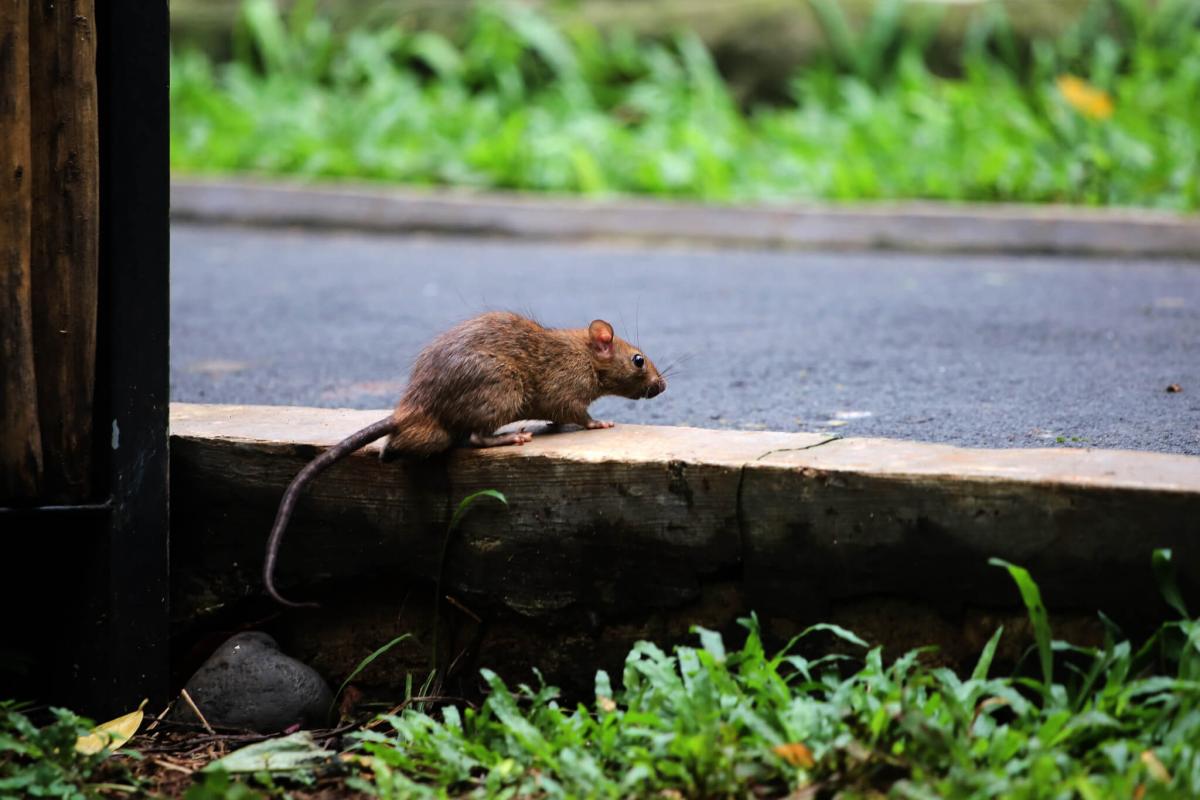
x=480, y=375
x=501, y=367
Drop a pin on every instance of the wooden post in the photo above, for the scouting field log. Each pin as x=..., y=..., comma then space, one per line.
x=64, y=252
x=95, y=105
x=20, y=436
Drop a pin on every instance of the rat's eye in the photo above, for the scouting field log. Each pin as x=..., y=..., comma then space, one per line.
x=639, y=360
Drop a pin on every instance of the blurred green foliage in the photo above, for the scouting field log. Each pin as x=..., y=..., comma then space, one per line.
x=518, y=102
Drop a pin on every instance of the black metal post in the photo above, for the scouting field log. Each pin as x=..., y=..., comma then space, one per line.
x=133, y=67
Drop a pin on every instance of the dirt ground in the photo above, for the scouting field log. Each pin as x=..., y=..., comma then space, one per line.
x=171, y=763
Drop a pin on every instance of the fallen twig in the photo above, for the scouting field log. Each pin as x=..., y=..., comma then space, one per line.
x=187, y=698
x=168, y=765
x=154, y=722
x=452, y=601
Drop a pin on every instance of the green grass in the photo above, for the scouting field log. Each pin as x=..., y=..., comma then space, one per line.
x=1121, y=720
x=1112, y=721
x=42, y=761
x=517, y=103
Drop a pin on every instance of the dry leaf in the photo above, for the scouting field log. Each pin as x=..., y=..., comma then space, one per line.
x=358, y=760
x=606, y=704
x=111, y=734
x=351, y=697
x=795, y=753
x=985, y=704
x=1155, y=767
x=1085, y=98
x=806, y=792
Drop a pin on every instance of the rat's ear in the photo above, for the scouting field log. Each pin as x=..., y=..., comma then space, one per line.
x=600, y=335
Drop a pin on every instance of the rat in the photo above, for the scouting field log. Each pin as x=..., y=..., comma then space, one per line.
x=478, y=376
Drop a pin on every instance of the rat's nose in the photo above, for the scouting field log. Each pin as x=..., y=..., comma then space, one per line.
x=656, y=388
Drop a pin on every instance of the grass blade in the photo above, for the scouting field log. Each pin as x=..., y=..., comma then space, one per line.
x=839, y=36
x=1164, y=573
x=463, y=507
x=985, y=658
x=1032, y=597
x=836, y=630
x=363, y=665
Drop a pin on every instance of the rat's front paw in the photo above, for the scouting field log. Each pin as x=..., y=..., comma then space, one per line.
x=596, y=424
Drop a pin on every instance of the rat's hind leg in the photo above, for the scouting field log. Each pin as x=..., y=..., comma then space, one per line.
x=500, y=439
x=417, y=434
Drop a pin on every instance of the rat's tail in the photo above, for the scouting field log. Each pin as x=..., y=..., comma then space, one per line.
x=314, y=468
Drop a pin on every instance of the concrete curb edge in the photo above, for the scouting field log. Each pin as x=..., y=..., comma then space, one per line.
x=608, y=537
x=917, y=226
x=812, y=515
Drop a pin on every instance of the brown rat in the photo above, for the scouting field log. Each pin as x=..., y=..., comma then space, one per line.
x=478, y=376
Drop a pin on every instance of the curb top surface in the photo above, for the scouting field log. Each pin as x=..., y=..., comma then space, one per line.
x=290, y=425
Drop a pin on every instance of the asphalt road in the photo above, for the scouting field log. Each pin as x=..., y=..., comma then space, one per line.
x=978, y=351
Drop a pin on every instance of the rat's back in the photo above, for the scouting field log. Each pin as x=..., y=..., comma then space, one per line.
x=476, y=376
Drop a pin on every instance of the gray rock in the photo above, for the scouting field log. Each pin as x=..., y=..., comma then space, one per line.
x=249, y=683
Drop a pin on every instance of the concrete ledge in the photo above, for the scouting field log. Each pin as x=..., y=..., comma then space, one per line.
x=615, y=522
x=902, y=226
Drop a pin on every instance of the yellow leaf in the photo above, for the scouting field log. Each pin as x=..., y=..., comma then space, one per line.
x=606, y=704
x=1155, y=767
x=795, y=753
x=357, y=759
x=1085, y=98
x=111, y=734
